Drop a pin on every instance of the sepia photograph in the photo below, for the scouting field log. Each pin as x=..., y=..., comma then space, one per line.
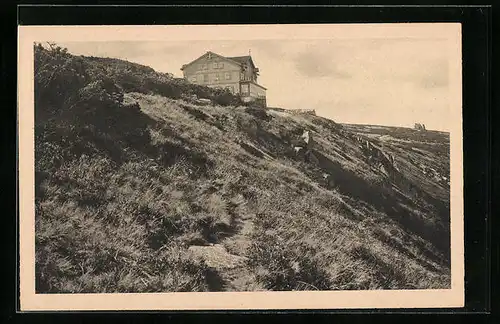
x=241, y=166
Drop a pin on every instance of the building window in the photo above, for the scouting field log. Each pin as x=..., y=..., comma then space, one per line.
x=193, y=79
x=205, y=77
x=221, y=65
x=203, y=66
x=215, y=65
x=228, y=76
x=216, y=76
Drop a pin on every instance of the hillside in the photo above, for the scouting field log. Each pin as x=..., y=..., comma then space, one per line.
x=140, y=187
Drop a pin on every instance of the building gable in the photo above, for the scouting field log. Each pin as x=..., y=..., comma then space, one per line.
x=207, y=56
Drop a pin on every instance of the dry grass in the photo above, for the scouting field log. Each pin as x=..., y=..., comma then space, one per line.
x=121, y=215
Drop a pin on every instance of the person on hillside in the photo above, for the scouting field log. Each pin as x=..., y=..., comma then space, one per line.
x=304, y=146
x=308, y=139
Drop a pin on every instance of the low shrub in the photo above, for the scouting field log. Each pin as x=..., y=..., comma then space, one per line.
x=226, y=98
x=259, y=113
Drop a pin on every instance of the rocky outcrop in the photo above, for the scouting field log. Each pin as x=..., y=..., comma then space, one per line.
x=420, y=127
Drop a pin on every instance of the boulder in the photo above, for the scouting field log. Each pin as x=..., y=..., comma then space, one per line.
x=203, y=101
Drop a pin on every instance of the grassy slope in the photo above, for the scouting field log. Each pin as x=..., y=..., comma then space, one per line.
x=121, y=214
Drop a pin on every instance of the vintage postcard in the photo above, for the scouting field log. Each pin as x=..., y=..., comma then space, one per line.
x=239, y=167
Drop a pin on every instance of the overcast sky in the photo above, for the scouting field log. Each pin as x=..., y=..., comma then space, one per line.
x=391, y=81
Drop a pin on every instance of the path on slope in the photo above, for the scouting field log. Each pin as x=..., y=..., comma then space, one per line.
x=228, y=258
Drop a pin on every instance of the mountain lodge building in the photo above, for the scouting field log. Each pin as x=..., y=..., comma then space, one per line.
x=238, y=74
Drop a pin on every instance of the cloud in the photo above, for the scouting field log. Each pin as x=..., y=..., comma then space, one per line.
x=377, y=81
x=316, y=65
x=434, y=75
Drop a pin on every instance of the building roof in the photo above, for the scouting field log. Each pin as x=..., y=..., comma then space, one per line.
x=238, y=59
x=241, y=59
